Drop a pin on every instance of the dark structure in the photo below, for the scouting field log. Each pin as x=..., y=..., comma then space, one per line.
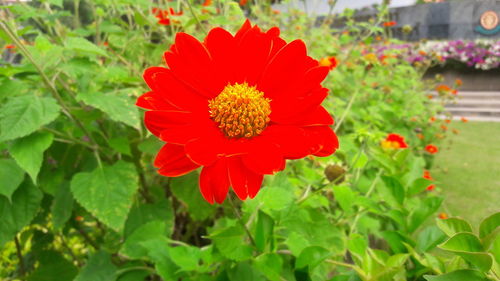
x=448, y=20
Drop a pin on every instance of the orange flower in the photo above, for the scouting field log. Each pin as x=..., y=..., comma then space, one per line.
x=442, y=88
x=371, y=57
x=448, y=121
x=454, y=91
x=432, y=149
x=432, y=119
x=458, y=82
x=430, y=97
x=444, y=128
x=243, y=2
x=394, y=141
x=427, y=175
x=378, y=38
x=389, y=23
x=422, y=53
x=443, y=216
x=276, y=12
x=465, y=120
x=207, y=3
x=10, y=46
x=413, y=119
x=330, y=62
x=163, y=15
x=236, y=106
x=420, y=136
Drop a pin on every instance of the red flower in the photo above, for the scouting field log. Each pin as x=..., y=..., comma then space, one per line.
x=330, y=62
x=458, y=82
x=243, y=2
x=237, y=106
x=443, y=88
x=163, y=15
x=432, y=149
x=427, y=175
x=443, y=216
x=394, y=141
x=389, y=23
x=207, y=3
x=10, y=46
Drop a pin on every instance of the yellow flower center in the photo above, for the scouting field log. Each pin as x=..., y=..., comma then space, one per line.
x=240, y=111
x=390, y=144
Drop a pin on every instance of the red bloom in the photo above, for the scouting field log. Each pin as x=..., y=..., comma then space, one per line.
x=443, y=88
x=330, y=62
x=238, y=106
x=10, y=46
x=389, y=23
x=394, y=141
x=207, y=3
x=443, y=216
x=432, y=149
x=163, y=15
x=243, y=2
x=427, y=175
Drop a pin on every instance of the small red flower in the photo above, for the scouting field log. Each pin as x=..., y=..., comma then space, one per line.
x=444, y=127
x=455, y=92
x=330, y=62
x=238, y=106
x=443, y=216
x=448, y=121
x=207, y=3
x=458, y=82
x=443, y=88
x=163, y=15
x=427, y=175
x=420, y=136
x=432, y=149
x=465, y=120
x=389, y=23
x=394, y=141
x=432, y=119
x=243, y=2
x=10, y=46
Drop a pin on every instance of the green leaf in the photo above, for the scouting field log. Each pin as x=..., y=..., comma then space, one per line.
x=53, y=266
x=296, y=243
x=119, y=108
x=186, y=257
x=98, y=268
x=28, y=152
x=185, y=189
x=141, y=214
x=312, y=256
x=357, y=245
x=84, y=46
x=229, y=242
x=426, y=208
x=459, y=275
x=419, y=185
x=489, y=225
x=345, y=197
x=153, y=230
x=468, y=246
x=429, y=238
x=11, y=177
x=107, y=192
x=395, y=188
x=62, y=207
x=270, y=265
x=58, y=3
x=158, y=251
x=16, y=215
x=23, y=115
x=263, y=231
x=453, y=226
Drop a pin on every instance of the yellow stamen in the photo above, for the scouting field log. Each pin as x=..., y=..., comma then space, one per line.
x=240, y=111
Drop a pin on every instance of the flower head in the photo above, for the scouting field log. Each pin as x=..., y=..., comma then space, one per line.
x=330, y=62
x=432, y=149
x=163, y=16
x=394, y=141
x=465, y=120
x=389, y=23
x=427, y=175
x=443, y=88
x=238, y=106
x=443, y=216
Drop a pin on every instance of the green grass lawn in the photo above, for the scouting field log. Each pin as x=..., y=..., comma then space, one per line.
x=468, y=171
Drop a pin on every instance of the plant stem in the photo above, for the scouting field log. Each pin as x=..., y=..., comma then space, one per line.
x=346, y=111
x=236, y=212
x=195, y=16
x=22, y=268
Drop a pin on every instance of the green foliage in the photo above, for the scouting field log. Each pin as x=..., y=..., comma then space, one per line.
x=94, y=208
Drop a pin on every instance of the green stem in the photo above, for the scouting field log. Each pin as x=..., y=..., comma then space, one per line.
x=22, y=267
x=191, y=10
x=128, y=269
x=241, y=221
x=346, y=111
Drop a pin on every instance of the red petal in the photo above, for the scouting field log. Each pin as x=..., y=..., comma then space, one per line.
x=207, y=148
x=243, y=181
x=264, y=157
x=190, y=62
x=152, y=100
x=173, y=162
x=243, y=29
x=214, y=182
x=222, y=48
x=294, y=111
x=171, y=90
x=324, y=140
x=292, y=140
x=180, y=125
